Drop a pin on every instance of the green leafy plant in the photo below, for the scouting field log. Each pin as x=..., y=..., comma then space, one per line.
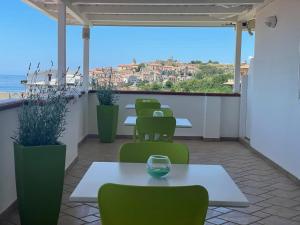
x=42, y=118
x=106, y=94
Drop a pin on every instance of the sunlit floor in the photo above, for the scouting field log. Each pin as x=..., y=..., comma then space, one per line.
x=275, y=199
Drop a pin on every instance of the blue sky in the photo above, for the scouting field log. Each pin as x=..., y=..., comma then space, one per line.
x=29, y=36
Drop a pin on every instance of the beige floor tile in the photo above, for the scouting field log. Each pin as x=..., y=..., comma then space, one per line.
x=239, y=218
x=275, y=220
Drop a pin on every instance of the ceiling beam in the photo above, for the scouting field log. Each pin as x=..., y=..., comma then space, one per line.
x=114, y=9
x=74, y=12
x=40, y=7
x=162, y=23
x=165, y=2
x=163, y=17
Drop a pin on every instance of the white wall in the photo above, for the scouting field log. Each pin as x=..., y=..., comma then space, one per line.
x=275, y=109
x=249, y=95
x=75, y=131
x=8, y=123
x=221, y=113
x=76, y=128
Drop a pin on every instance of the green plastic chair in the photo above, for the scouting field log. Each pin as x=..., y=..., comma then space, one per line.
x=146, y=100
x=140, y=152
x=146, y=205
x=141, y=105
x=146, y=105
x=155, y=128
x=149, y=112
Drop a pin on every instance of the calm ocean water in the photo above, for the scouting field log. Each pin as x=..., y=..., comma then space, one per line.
x=11, y=83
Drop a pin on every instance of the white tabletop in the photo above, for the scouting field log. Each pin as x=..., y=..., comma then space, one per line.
x=180, y=122
x=132, y=106
x=221, y=188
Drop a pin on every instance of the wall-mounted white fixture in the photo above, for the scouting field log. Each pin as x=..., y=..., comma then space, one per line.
x=271, y=21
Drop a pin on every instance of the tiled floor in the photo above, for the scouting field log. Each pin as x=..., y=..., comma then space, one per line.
x=275, y=199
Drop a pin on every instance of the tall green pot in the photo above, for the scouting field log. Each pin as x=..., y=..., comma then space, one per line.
x=107, y=117
x=39, y=179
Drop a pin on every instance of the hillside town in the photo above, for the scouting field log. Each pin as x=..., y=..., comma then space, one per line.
x=131, y=76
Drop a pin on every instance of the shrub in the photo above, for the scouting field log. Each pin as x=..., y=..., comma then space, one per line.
x=42, y=117
x=106, y=94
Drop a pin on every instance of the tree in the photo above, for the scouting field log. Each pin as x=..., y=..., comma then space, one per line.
x=199, y=75
x=196, y=62
x=168, y=84
x=140, y=66
x=212, y=62
x=155, y=86
x=209, y=70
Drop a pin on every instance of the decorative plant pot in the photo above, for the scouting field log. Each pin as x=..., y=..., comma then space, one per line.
x=107, y=117
x=39, y=179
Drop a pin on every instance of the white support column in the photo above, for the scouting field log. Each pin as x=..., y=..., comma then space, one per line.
x=238, y=49
x=61, y=58
x=86, y=56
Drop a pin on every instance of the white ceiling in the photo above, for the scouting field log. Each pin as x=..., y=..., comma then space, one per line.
x=150, y=12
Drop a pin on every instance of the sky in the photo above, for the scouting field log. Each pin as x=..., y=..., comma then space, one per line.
x=27, y=35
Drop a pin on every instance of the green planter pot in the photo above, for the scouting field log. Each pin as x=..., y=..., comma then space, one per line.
x=107, y=117
x=39, y=179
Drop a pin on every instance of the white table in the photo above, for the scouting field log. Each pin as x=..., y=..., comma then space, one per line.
x=221, y=188
x=180, y=122
x=132, y=106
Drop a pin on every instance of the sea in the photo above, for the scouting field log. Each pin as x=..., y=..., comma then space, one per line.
x=11, y=83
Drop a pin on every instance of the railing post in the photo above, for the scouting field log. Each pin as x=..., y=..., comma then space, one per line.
x=243, y=107
x=61, y=67
x=237, y=64
x=86, y=57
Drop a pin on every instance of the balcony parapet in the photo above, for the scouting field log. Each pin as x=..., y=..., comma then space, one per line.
x=10, y=103
x=175, y=93
x=6, y=104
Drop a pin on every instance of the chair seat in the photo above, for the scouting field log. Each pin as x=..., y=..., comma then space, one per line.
x=140, y=205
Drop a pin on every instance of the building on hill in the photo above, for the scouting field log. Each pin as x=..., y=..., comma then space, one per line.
x=244, y=69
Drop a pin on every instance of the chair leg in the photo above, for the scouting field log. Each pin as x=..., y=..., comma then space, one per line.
x=134, y=133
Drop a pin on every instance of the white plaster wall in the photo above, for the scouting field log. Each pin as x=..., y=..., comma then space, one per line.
x=76, y=130
x=250, y=90
x=230, y=113
x=212, y=117
x=191, y=107
x=275, y=109
x=8, y=123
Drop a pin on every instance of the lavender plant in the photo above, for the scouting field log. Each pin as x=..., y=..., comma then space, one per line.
x=106, y=93
x=42, y=116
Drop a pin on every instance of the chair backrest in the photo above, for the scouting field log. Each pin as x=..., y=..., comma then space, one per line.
x=146, y=100
x=139, y=152
x=146, y=105
x=155, y=128
x=149, y=112
x=146, y=205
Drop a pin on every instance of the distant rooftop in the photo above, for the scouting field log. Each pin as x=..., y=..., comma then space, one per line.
x=151, y=12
